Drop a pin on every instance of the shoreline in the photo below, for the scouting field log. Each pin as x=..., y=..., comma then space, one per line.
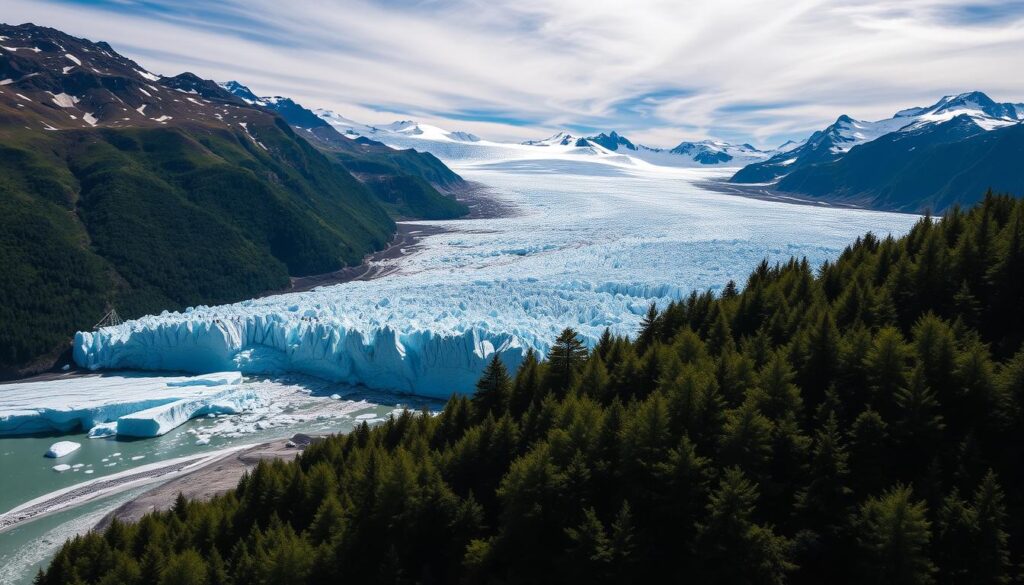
x=409, y=234
x=203, y=482
x=766, y=193
x=81, y=493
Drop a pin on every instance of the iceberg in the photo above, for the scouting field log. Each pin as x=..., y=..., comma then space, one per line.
x=62, y=448
x=97, y=403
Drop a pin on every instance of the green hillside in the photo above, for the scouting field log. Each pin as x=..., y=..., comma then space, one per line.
x=857, y=424
x=149, y=219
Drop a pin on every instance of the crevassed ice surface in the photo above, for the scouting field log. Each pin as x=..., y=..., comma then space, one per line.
x=590, y=246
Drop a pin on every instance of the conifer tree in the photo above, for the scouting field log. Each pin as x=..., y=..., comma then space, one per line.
x=894, y=534
x=564, y=361
x=493, y=390
x=730, y=546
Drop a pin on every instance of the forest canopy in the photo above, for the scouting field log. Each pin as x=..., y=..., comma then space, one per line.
x=859, y=423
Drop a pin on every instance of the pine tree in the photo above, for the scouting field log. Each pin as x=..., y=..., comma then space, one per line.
x=894, y=534
x=527, y=384
x=564, y=360
x=187, y=568
x=493, y=390
x=955, y=535
x=589, y=549
x=649, y=329
x=992, y=561
x=776, y=396
x=594, y=379
x=731, y=547
x=887, y=363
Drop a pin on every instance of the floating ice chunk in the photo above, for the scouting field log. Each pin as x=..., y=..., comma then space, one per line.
x=203, y=441
x=137, y=457
x=335, y=396
x=88, y=471
x=61, y=468
x=158, y=420
x=366, y=416
x=62, y=448
x=116, y=455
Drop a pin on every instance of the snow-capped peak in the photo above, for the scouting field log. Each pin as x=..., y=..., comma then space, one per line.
x=559, y=139
x=244, y=93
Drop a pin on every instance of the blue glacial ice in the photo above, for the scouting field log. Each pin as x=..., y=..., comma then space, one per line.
x=586, y=248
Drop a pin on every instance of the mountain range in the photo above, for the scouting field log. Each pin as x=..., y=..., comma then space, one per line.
x=122, y=188
x=408, y=182
x=701, y=153
x=922, y=158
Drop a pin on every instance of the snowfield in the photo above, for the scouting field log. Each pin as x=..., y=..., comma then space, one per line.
x=591, y=246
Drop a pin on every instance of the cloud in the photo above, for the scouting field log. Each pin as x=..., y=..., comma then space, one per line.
x=659, y=71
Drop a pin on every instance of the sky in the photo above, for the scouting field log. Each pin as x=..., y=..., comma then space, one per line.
x=657, y=71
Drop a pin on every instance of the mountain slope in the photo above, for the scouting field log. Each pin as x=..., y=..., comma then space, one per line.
x=405, y=181
x=920, y=159
x=152, y=193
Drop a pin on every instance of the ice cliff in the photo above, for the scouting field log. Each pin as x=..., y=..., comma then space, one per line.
x=419, y=361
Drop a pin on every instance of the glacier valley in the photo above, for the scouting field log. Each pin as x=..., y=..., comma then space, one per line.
x=590, y=245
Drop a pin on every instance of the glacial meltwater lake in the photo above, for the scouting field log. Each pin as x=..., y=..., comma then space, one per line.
x=588, y=246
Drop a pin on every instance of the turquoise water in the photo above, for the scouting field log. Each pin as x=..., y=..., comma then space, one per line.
x=25, y=474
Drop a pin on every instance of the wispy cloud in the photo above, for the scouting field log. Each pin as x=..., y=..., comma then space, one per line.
x=658, y=70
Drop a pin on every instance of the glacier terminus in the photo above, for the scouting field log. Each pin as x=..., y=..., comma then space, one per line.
x=590, y=245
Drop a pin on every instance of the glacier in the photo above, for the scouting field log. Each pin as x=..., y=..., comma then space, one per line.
x=129, y=404
x=589, y=246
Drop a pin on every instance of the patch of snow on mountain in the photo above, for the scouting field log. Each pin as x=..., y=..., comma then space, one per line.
x=73, y=59
x=64, y=100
